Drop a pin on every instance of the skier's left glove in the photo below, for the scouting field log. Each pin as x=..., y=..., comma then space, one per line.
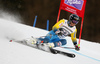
x=77, y=47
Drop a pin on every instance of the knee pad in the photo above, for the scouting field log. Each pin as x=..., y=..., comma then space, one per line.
x=57, y=44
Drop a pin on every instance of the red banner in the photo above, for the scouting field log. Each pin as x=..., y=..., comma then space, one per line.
x=74, y=6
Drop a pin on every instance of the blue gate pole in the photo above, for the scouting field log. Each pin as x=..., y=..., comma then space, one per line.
x=47, y=24
x=35, y=21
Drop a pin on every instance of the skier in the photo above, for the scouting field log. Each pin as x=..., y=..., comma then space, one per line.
x=55, y=38
x=63, y=28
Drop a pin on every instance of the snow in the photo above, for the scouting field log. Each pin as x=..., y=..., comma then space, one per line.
x=15, y=53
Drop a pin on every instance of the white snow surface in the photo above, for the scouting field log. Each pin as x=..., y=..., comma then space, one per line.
x=15, y=53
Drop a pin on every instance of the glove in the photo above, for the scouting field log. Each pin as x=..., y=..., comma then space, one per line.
x=58, y=33
x=77, y=48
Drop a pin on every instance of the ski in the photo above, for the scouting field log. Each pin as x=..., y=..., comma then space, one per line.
x=54, y=51
x=44, y=48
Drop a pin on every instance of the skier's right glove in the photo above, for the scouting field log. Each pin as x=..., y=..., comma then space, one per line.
x=77, y=48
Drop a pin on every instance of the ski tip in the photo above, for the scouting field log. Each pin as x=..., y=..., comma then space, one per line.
x=10, y=41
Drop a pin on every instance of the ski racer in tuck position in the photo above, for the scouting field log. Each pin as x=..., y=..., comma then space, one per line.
x=63, y=28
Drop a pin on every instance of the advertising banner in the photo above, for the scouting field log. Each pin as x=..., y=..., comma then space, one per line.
x=74, y=6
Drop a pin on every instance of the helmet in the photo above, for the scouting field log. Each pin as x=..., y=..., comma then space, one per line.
x=74, y=18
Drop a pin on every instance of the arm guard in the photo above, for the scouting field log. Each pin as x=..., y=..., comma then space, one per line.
x=73, y=37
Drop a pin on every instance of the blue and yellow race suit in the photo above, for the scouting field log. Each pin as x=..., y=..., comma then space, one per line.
x=59, y=31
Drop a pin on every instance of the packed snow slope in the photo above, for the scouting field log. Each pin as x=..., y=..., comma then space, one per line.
x=15, y=53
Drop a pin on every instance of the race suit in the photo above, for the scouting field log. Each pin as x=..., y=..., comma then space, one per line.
x=58, y=33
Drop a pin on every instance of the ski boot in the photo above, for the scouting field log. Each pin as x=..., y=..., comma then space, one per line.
x=45, y=46
x=31, y=41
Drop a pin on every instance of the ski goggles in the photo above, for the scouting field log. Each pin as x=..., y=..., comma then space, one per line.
x=74, y=21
